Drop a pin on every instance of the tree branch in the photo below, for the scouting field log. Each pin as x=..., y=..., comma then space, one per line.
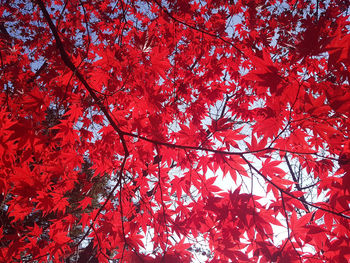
x=105, y=111
x=67, y=61
x=295, y=179
x=291, y=195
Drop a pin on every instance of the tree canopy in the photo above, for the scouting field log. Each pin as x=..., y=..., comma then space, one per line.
x=174, y=131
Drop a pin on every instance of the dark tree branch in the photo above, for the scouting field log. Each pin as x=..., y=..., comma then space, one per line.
x=73, y=68
x=291, y=195
x=68, y=62
x=37, y=73
x=297, y=185
x=288, y=228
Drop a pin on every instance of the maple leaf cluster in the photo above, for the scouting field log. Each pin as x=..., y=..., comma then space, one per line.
x=119, y=119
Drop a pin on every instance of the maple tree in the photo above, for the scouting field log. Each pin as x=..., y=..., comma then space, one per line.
x=114, y=115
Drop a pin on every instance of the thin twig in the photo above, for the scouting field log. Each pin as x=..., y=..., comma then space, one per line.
x=291, y=195
x=297, y=185
x=287, y=223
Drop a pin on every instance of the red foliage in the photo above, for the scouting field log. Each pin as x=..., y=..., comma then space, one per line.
x=114, y=114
